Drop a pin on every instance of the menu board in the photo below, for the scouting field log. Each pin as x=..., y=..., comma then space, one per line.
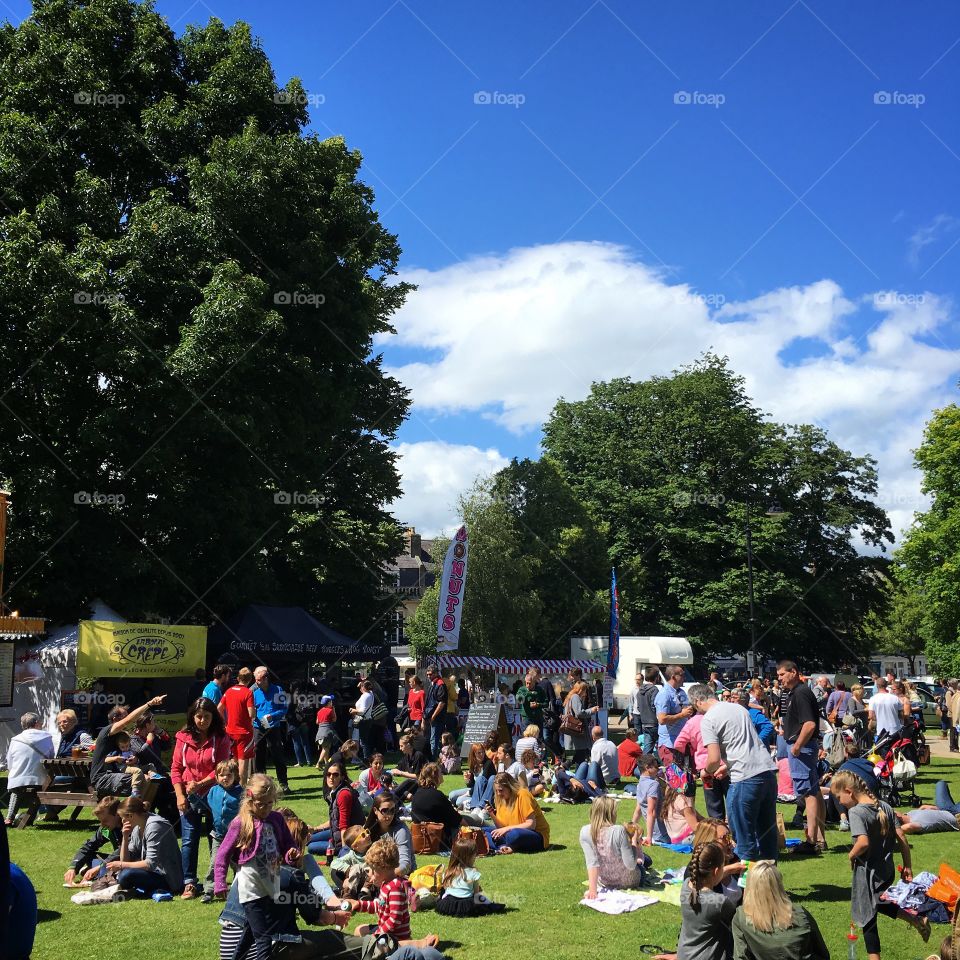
x=7, y=660
x=482, y=718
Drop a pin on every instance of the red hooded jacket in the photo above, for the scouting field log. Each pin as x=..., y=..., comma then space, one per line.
x=191, y=762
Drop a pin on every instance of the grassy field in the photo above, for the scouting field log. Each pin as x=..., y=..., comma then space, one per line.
x=542, y=892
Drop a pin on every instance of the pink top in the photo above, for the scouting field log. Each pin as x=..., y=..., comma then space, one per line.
x=689, y=737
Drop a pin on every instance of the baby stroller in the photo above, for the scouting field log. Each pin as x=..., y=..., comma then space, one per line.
x=897, y=773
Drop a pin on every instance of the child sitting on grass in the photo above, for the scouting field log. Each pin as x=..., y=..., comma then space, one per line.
x=648, y=803
x=449, y=755
x=705, y=916
x=349, y=870
x=529, y=772
x=462, y=896
x=392, y=906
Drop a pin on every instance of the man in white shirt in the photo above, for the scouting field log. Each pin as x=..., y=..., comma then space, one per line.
x=886, y=710
x=603, y=753
x=733, y=747
x=25, y=757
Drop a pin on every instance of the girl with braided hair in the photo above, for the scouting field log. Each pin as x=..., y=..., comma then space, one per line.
x=876, y=836
x=705, y=916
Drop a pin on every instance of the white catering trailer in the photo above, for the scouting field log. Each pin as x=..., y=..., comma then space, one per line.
x=635, y=654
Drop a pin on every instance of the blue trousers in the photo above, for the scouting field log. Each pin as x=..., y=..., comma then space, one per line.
x=319, y=842
x=437, y=730
x=591, y=772
x=302, y=747
x=520, y=840
x=191, y=830
x=482, y=791
x=943, y=799
x=145, y=880
x=752, y=813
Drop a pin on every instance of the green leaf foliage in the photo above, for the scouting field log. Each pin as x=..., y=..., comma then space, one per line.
x=930, y=554
x=190, y=287
x=668, y=469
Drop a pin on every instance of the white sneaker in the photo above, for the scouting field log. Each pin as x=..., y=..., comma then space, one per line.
x=845, y=826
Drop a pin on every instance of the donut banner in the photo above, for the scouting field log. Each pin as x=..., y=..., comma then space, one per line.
x=452, y=586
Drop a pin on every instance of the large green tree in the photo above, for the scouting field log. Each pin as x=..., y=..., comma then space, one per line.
x=189, y=289
x=930, y=554
x=671, y=467
x=898, y=628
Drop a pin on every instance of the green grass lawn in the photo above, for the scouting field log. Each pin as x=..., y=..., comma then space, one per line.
x=542, y=892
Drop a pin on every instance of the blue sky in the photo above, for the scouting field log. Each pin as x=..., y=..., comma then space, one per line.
x=796, y=209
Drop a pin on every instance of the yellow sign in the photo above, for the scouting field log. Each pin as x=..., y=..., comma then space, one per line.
x=108, y=649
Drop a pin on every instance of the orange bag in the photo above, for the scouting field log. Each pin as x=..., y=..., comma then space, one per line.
x=946, y=889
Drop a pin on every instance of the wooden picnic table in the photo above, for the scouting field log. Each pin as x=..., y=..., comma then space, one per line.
x=78, y=793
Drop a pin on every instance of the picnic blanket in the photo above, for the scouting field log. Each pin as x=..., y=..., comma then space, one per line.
x=618, y=901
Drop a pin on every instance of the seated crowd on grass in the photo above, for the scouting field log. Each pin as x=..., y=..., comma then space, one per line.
x=733, y=902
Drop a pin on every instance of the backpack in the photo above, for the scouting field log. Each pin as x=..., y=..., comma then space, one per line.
x=833, y=746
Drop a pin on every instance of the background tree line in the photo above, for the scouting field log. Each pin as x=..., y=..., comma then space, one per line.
x=656, y=478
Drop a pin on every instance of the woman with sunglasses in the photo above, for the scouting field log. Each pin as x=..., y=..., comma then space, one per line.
x=345, y=811
x=384, y=821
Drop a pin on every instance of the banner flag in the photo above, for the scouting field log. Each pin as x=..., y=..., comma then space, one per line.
x=109, y=649
x=613, y=650
x=452, y=588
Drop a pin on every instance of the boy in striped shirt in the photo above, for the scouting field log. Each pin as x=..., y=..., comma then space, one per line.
x=392, y=906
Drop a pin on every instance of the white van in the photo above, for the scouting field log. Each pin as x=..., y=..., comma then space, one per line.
x=635, y=654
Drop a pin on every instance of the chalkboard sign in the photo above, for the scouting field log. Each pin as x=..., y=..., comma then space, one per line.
x=483, y=718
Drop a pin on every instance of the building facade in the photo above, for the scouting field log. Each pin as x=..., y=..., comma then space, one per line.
x=409, y=576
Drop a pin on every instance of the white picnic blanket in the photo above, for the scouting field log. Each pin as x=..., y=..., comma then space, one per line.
x=617, y=901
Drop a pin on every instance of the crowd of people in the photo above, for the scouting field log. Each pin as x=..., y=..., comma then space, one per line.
x=731, y=745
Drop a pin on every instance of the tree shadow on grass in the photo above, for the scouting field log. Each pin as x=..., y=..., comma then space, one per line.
x=828, y=893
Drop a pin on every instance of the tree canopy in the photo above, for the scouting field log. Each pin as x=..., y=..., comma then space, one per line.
x=189, y=289
x=930, y=554
x=670, y=467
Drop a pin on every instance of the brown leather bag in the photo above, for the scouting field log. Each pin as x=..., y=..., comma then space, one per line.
x=479, y=839
x=427, y=837
x=571, y=724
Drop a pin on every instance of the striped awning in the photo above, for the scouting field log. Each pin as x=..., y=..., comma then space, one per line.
x=499, y=665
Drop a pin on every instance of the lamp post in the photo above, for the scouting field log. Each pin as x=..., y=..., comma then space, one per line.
x=773, y=510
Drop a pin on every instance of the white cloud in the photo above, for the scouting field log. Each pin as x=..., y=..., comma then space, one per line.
x=508, y=335
x=928, y=234
x=433, y=475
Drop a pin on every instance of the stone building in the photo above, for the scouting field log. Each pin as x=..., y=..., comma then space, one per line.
x=410, y=575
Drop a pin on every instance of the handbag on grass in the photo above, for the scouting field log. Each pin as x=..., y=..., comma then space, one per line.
x=479, y=838
x=427, y=837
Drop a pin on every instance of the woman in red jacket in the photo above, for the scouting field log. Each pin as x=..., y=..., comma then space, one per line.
x=199, y=747
x=345, y=811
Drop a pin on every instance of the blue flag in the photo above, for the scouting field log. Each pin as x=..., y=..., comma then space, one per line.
x=613, y=650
